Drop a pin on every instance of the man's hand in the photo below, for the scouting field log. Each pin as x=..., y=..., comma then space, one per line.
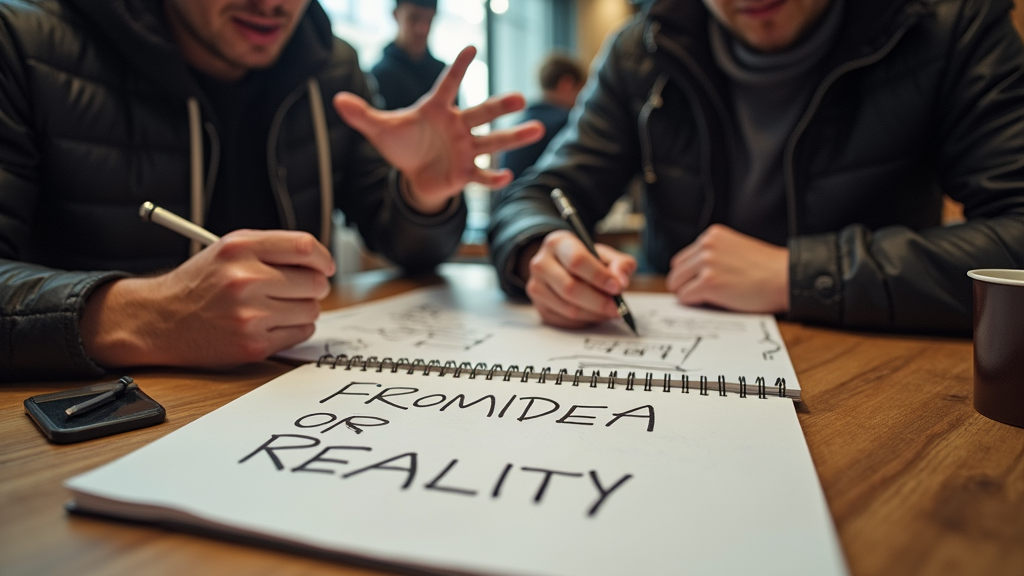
x=239, y=300
x=731, y=270
x=568, y=285
x=430, y=142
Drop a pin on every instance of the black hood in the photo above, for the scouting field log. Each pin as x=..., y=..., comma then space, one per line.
x=137, y=28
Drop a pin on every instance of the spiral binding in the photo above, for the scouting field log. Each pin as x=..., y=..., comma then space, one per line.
x=562, y=377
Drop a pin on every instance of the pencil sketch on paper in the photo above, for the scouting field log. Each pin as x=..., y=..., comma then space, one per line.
x=662, y=324
x=347, y=346
x=772, y=347
x=426, y=325
x=624, y=354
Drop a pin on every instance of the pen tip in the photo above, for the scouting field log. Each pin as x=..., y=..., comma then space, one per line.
x=629, y=320
x=146, y=209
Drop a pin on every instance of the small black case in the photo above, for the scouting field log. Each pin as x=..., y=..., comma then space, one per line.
x=132, y=410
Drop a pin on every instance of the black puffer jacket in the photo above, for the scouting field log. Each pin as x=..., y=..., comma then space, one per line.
x=99, y=113
x=918, y=97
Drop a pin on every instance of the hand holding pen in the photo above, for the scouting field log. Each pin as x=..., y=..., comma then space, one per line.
x=242, y=298
x=573, y=285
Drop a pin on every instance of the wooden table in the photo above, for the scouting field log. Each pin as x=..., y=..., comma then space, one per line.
x=917, y=481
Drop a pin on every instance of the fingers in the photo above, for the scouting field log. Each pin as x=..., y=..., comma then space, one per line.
x=561, y=283
x=275, y=325
x=557, y=311
x=620, y=264
x=580, y=263
x=683, y=271
x=493, y=178
x=278, y=248
x=287, y=313
x=297, y=283
x=285, y=337
x=567, y=300
x=357, y=113
x=447, y=86
x=492, y=108
x=521, y=135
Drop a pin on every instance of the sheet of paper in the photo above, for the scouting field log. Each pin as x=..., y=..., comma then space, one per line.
x=463, y=324
x=492, y=477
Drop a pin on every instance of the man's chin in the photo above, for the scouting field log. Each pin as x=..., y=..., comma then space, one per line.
x=256, y=59
x=768, y=39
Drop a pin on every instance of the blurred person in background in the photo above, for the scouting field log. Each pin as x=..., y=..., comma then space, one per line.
x=561, y=79
x=408, y=69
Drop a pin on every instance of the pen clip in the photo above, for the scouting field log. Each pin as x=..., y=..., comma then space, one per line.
x=123, y=385
x=562, y=203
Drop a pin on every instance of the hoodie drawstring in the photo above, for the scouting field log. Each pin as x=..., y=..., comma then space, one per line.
x=323, y=157
x=323, y=161
x=195, y=133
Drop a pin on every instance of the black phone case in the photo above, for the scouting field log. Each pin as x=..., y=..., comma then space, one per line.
x=132, y=410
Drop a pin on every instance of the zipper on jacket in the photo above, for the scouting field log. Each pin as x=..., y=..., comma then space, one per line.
x=819, y=95
x=654, y=101
x=704, y=128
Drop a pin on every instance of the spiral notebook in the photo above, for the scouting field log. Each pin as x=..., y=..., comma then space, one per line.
x=489, y=469
x=460, y=324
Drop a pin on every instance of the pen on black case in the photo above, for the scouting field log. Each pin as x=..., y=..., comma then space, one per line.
x=157, y=215
x=567, y=211
x=123, y=385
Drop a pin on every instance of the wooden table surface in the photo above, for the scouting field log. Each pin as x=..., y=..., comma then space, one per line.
x=917, y=481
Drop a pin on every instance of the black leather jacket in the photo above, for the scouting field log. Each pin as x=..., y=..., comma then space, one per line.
x=918, y=97
x=98, y=113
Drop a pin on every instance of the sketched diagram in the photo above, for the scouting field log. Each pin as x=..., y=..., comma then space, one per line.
x=339, y=346
x=428, y=326
x=622, y=354
x=658, y=324
x=771, y=346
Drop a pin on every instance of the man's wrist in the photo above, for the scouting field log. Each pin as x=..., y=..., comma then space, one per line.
x=522, y=260
x=109, y=324
x=420, y=205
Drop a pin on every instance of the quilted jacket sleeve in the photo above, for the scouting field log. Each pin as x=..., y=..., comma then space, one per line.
x=39, y=307
x=895, y=278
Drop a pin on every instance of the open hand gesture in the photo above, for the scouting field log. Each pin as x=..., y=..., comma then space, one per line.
x=431, y=143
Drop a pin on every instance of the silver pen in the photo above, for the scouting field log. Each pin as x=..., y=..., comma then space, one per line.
x=157, y=215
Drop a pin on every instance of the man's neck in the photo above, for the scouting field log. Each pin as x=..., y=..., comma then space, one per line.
x=415, y=53
x=558, y=98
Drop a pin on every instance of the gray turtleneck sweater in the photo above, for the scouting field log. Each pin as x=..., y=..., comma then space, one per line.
x=769, y=93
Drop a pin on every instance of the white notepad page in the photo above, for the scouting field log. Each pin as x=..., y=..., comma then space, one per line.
x=510, y=477
x=467, y=324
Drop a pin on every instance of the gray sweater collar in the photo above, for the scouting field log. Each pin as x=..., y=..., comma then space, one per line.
x=745, y=65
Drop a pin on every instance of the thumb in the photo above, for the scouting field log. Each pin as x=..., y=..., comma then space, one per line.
x=355, y=112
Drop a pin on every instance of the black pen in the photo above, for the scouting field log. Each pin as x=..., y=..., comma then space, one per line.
x=123, y=385
x=567, y=211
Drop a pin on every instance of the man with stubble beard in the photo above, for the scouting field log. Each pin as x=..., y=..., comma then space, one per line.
x=221, y=111
x=795, y=154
